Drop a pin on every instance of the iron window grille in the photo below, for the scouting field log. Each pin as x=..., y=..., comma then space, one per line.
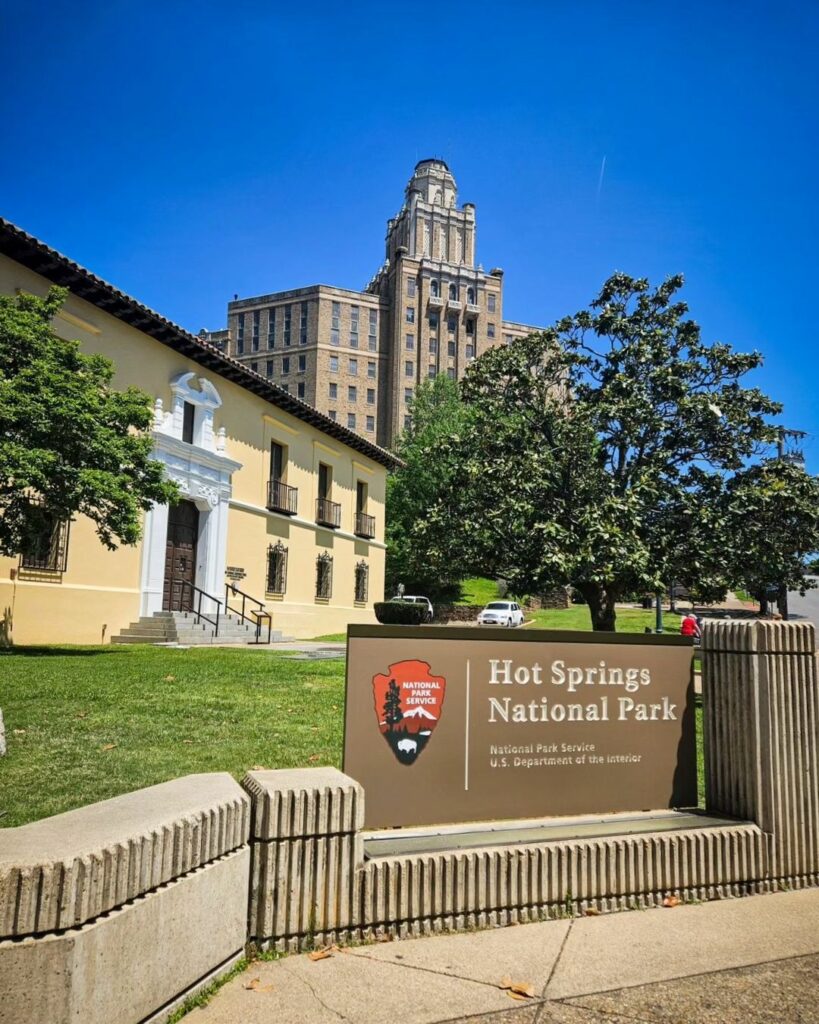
x=47, y=548
x=276, y=568
x=324, y=576
x=362, y=581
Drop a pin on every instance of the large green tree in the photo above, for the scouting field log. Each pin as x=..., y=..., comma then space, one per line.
x=592, y=452
x=69, y=442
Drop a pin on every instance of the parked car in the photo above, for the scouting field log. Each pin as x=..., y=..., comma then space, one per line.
x=501, y=613
x=414, y=599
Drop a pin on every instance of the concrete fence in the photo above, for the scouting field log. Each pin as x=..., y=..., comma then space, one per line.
x=117, y=911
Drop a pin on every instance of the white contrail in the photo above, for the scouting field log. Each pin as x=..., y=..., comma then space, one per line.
x=600, y=180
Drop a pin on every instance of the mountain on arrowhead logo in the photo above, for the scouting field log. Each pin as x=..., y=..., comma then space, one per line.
x=408, y=701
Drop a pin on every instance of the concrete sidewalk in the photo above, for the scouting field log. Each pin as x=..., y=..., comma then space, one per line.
x=747, y=961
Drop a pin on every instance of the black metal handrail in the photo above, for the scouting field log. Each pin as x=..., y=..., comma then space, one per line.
x=282, y=498
x=328, y=513
x=256, y=614
x=364, y=525
x=197, y=612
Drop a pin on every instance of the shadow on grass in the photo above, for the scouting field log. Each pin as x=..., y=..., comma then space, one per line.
x=62, y=652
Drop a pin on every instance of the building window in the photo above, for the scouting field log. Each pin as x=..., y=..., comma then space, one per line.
x=507, y=339
x=271, y=328
x=302, y=364
x=408, y=395
x=407, y=422
x=433, y=345
x=411, y=287
x=408, y=370
x=433, y=321
x=434, y=288
x=470, y=351
x=373, y=329
x=410, y=314
x=285, y=365
x=451, y=324
x=352, y=393
x=470, y=296
x=335, y=337
x=188, y=418
x=354, y=367
x=254, y=366
x=276, y=568
x=269, y=367
x=335, y=324
x=451, y=347
x=453, y=292
x=287, y=320
x=351, y=420
x=431, y=372
x=300, y=389
x=410, y=339
x=490, y=302
x=362, y=579
x=451, y=373
x=370, y=396
x=333, y=415
x=490, y=330
x=285, y=388
x=371, y=370
x=470, y=326
x=324, y=576
x=254, y=340
x=334, y=390
x=303, y=324
x=370, y=423
x=333, y=364
x=240, y=335
x=354, y=311
x=46, y=549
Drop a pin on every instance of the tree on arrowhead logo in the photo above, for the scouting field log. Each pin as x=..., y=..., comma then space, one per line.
x=408, y=702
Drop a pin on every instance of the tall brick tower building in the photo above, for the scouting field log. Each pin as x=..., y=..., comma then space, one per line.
x=358, y=356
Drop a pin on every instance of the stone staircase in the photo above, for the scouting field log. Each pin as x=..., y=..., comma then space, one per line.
x=182, y=628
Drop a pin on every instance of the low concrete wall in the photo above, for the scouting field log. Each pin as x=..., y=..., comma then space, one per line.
x=113, y=911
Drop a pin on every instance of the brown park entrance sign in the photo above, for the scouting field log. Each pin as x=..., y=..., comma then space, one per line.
x=463, y=724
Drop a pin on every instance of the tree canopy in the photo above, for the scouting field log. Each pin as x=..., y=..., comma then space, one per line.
x=69, y=442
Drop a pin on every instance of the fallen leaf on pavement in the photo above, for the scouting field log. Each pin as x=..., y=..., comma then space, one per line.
x=255, y=985
x=591, y=912
x=320, y=954
x=517, y=989
x=108, y=746
x=671, y=901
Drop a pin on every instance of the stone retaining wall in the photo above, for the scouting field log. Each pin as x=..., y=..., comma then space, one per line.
x=118, y=910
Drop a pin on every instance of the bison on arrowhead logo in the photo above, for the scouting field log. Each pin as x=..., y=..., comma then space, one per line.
x=408, y=701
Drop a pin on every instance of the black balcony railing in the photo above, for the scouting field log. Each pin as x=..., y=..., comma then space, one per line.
x=328, y=513
x=364, y=525
x=281, y=498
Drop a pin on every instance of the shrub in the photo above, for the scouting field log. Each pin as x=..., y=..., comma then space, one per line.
x=400, y=613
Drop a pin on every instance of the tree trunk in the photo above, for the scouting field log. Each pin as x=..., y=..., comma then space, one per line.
x=762, y=596
x=782, y=601
x=601, y=605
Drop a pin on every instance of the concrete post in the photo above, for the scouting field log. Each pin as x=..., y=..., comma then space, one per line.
x=307, y=856
x=761, y=735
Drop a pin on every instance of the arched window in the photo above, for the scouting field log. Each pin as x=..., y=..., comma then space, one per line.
x=276, y=569
x=362, y=576
x=434, y=288
x=470, y=296
x=453, y=292
x=324, y=576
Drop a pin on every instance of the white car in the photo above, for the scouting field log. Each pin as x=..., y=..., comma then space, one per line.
x=419, y=600
x=501, y=613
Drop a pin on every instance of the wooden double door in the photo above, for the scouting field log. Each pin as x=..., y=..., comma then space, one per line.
x=180, y=556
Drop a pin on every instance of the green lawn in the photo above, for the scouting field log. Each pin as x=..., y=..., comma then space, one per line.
x=629, y=620
x=166, y=712
x=478, y=590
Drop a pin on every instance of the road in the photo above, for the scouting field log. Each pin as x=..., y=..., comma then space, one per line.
x=806, y=607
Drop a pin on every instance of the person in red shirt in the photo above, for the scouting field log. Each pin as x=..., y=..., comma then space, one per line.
x=689, y=626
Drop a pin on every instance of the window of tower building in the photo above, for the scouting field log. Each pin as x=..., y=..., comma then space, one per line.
x=371, y=369
x=433, y=344
x=490, y=302
x=254, y=366
x=432, y=371
x=240, y=334
x=507, y=339
x=334, y=337
x=451, y=373
x=408, y=395
x=303, y=324
x=470, y=351
x=333, y=364
x=470, y=326
x=271, y=328
x=335, y=324
x=333, y=390
x=300, y=390
x=287, y=325
x=490, y=330
x=410, y=314
x=354, y=326
x=302, y=364
x=407, y=422
x=470, y=296
x=451, y=324
x=408, y=369
x=254, y=340
x=410, y=342
x=354, y=367
x=269, y=367
x=433, y=321
x=370, y=396
x=352, y=393
x=333, y=415
x=453, y=292
x=370, y=423
x=373, y=322
x=434, y=288
x=351, y=420
x=411, y=287
x=451, y=348
x=285, y=364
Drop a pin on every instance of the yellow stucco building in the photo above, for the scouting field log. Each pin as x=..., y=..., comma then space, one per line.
x=277, y=498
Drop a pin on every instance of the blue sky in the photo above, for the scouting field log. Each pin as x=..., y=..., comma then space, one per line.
x=186, y=152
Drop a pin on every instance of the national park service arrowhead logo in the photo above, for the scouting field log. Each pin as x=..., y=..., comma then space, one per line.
x=408, y=701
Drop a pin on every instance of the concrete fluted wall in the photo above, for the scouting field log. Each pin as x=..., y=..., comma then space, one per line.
x=117, y=910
